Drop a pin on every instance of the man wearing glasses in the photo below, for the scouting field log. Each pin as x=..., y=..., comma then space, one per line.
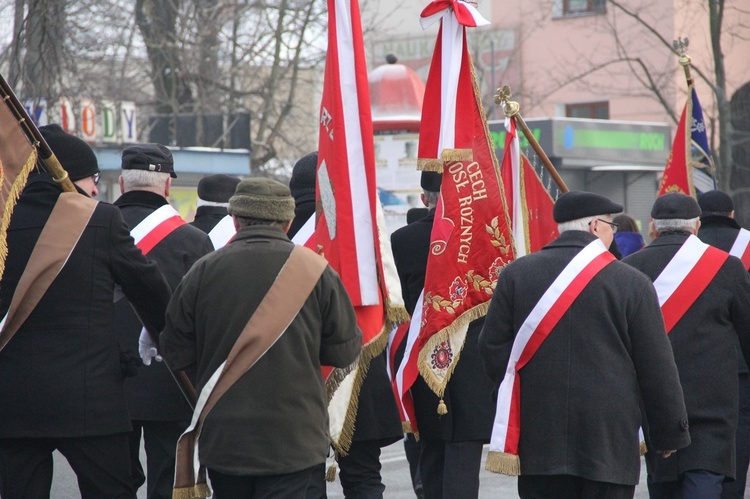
x=705, y=301
x=577, y=339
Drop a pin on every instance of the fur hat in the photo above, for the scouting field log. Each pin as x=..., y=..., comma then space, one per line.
x=715, y=202
x=217, y=188
x=303, y=176
x=581, y=204
x=262, y=198
x=675, y=205
x=74, y=154
x=149, y=157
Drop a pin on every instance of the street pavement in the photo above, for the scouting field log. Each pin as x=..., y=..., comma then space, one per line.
x=395, y=476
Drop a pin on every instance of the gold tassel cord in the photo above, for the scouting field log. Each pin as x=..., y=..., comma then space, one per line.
x=503, y=463
x=331, y=473
x=442, y=409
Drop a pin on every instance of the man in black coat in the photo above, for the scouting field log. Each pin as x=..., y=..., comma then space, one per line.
x=377, y=424
x=158, y=410
x=580, y=391
x=703, y=340
x=63, y=370
x=718, y=228
x=450, y=445
x=214, y=192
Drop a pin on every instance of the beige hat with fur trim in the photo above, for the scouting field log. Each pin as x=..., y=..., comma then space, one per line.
x=263, y=199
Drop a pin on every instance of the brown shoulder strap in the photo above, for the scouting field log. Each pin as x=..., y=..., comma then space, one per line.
x=276, y=311
x=59, y=236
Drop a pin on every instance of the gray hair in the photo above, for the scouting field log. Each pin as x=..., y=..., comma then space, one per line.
x=431, y=198
x=577, y=224
x=675, y=224
x=143, y=179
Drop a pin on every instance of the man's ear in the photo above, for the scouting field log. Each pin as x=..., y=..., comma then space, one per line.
x=167, y=187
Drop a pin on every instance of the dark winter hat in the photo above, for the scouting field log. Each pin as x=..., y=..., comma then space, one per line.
x=675, y=205
x=74, y=155
x=262, y=198
x=217, y=188
x=581, y=204
x=431, y=181
x=303, y=175
x=715, y=203
x=149, y=157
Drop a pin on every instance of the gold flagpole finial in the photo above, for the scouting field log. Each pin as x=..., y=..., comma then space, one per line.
x=680, y=47
x=502, y=98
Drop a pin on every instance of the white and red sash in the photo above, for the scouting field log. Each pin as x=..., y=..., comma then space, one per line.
x=222, y=232
x=554, y=303
x=741, y=247
x=685, y=277
x=154, y=228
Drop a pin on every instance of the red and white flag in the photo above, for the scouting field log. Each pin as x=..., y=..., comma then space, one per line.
x=529, y=203
x=347, y=231
x=470, y=241
x=448, y=99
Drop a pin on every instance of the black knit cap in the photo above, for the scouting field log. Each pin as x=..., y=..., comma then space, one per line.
x=675, y=205
x=217, y=188
x=431, y=181
x=581, y=204
x=75, y=155
x=303, y=175
x=149, y=157
x=715, y=202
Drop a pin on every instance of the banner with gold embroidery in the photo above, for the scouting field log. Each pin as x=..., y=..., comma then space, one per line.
x=471, y=243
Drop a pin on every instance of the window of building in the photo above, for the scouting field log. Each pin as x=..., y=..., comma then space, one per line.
x=594, y=110
x=582, y=7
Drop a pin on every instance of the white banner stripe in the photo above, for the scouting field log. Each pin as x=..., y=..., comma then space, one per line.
x=519, y=227
x=411, y=338
x=451, y=55
x=740, y=244
x=222, y=232
x=678, y=268
x=152, y=221
x=358, y=185
x=305, y=232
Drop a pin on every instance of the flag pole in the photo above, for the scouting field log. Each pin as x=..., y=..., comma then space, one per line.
x=49, y=158
x=680, y=46
x=510, y=108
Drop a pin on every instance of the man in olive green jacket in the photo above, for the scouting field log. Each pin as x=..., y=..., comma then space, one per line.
x=268, y=432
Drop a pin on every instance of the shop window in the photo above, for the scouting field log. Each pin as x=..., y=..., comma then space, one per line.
x=594, y=110
x=583, y=7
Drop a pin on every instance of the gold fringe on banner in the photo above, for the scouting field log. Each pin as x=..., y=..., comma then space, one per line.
x=369, y=352
x=430, y=165
x=396, y=315
x=198, y=491
x=642, y=448
x=14, y=192
x=503, y=463
x=451, y=155
x=435, y=384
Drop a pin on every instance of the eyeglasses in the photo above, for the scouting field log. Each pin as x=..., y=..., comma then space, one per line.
x=96, y=177
x=611, y=224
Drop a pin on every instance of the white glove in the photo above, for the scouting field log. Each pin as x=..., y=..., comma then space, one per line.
x=147, y=348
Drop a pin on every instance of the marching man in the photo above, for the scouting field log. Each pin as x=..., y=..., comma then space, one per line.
x=577, y=339
x=704, y=295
